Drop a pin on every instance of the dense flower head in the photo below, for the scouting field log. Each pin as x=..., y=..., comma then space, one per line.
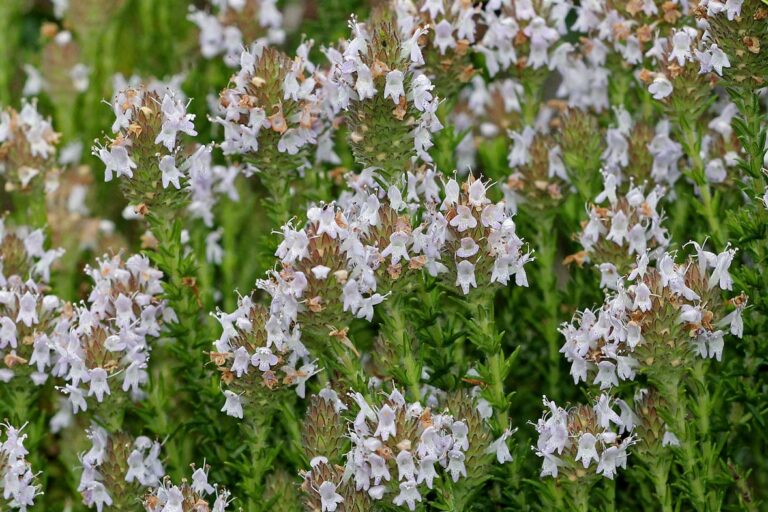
x=146, y=150
x=584, y=441
x=538, y=175
x=628, y=226
x=197, y=496
x=522, y=36
x=17, y=481
x=252, y=359
x=236, y=23
x=27, y=146
x=339, y=266
x=447, y=45
x=399, y=452
x=107, y=348
x=684, y=66
x=118, y=469
x=350, y=255
x=477, y=235
x=23, y=254
x=390, y=107
x=32, y=322
x=270, y=111
x=657, y=321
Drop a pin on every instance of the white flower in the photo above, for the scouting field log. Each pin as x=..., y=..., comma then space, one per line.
x=642, y=297
x=175, y=119
x=587, y=451
x=264, y=359
x=171, y=174
x=397, y=248
x=386, y=426
x=464, y=219
x=406, y=469
x=608, y=460
x=233, y=405
x=409, y=494
x=500, y=449
x=605, y=413
x=465, y=276
x=468, y=247
x=98, y=384
x=394, y=86
x=117, y=160
x=444, y=36
x=329, y=498
x=456, y=466
x=606, y=375
x=660, y=88
x=364, y=85
x=27, y=310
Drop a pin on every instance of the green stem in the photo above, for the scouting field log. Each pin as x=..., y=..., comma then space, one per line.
x=659, y=469
x=484, y=334
x=675, y=413
x=397, y=331
x=546, y=254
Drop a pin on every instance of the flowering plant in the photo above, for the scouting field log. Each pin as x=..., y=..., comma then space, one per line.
x=357, y=255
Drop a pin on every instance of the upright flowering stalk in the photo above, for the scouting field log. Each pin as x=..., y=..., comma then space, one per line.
x=17, y=482
x=400, y=453
x=27, y=153
x=581, y=144
x=389, y=105
x=259, y=374
x=196, y=495
x=578, y=446
x=154, y=167
x=270, y=116
x=32, y=320
x=118, y=469
x=483, y=252
x=687, y=65
x=664, y=325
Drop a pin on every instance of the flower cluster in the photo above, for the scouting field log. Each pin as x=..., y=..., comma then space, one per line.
x=350, y=255
x=269, y=113
x=117, y=468
x=235, y=24
x=446, y=51
x=16, y=478
x=539, y=177
x=657, y=320
x=109, y=336
x=197, y=496
x=145, y=149
x=399, y=451
x=30, y=317
x=630, y=225
x=27, y=146
x=584, y=441
x=390, y=109
x=250, y=355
